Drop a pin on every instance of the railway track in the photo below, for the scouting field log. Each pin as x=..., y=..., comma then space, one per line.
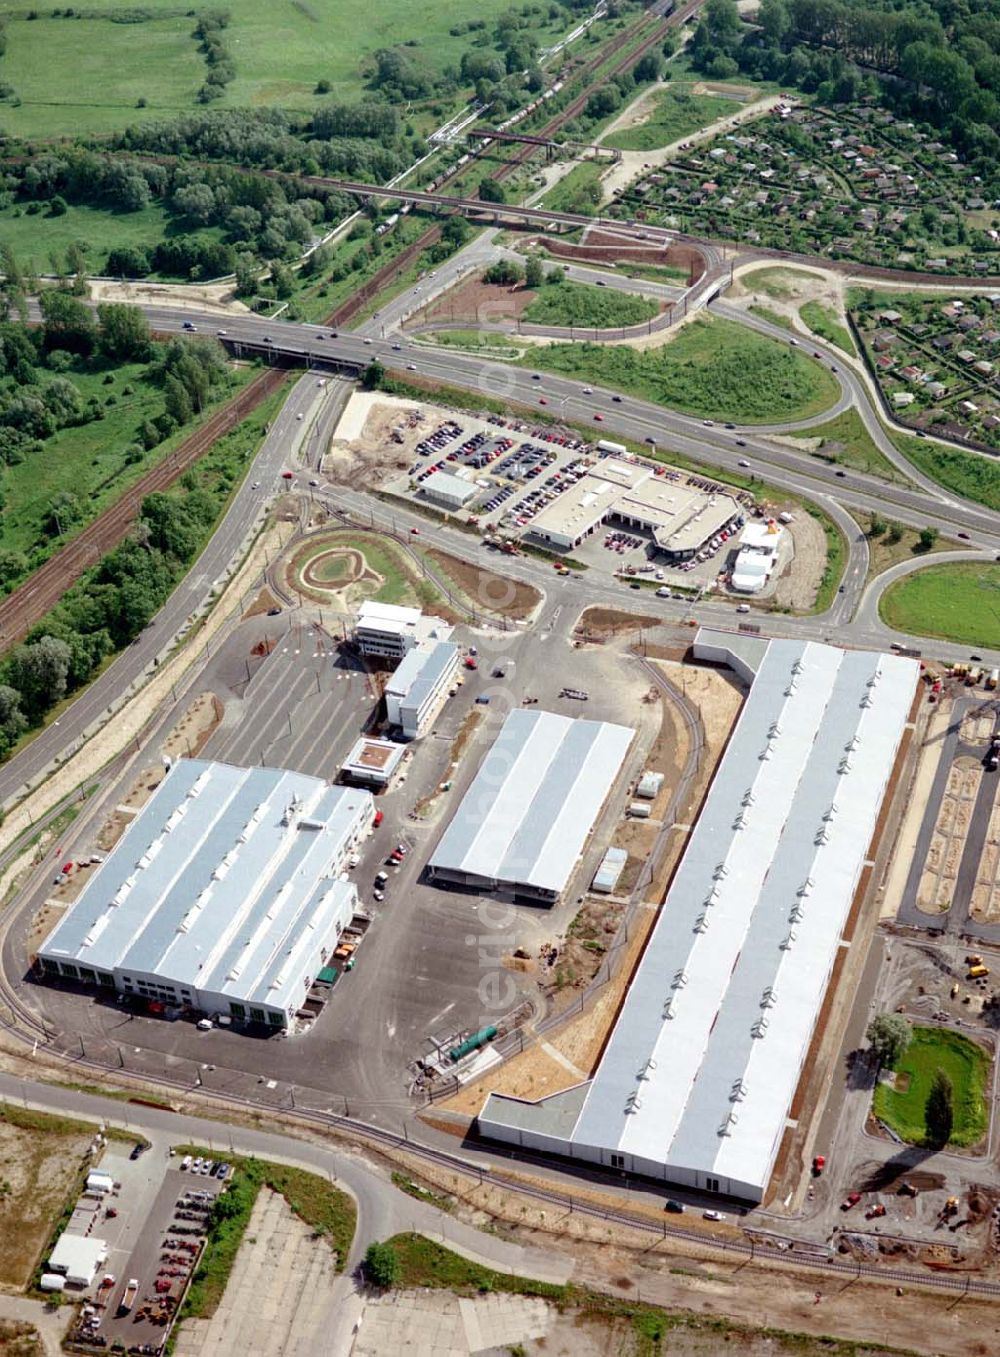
x=29, y=603
x=781, y=1252
x=346, y=312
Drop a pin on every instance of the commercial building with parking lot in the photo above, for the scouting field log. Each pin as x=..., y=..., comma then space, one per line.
x=388, y=631
x=225, y=894
x=681, y=519
x=448, y=490
x=701, y=1068
x=523, y=823
x=415, y=692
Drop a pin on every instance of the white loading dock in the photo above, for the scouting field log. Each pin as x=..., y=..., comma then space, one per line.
x=415, y=693
x=224, y=895
x=700, y=1070
x=448, y=490
x=77, y=1259
x=524, y=821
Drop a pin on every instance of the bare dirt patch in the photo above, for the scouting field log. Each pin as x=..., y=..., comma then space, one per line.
x=784, y=291
x=599, y=624
x=195, y=728
x=486, y=591
x=937, y=881
x=39, y=1168
x=376, y=438
x=603, y=247
x=473, y=302
x=799, y=584
x=427, y=805
x=261, y=605
x=985, y=903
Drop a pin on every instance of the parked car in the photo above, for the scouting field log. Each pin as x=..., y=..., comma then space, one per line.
x=674, y=1206
x=850, y=1200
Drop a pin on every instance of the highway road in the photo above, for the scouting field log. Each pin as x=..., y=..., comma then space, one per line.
x=629, y=417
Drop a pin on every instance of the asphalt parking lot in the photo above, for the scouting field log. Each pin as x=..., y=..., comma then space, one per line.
x=160, y=1222
x=431, y=962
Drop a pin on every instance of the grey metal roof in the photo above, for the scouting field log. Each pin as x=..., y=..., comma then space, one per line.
x=211, y=889
x=552, y=1116
x=703, y=1062
x=529, y=809
x=420, y=670
x=445, y=483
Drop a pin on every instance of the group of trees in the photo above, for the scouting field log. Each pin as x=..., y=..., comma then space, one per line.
x=38, y=395
x=940, y=65
x=221, y=68
x=509, y=273
x=104, y=611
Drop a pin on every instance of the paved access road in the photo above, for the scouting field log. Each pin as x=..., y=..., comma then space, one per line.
x=383, y=1210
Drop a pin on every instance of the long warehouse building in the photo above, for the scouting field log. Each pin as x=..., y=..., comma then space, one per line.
x=225, y=895
x=697, y=1078
x=523, y=823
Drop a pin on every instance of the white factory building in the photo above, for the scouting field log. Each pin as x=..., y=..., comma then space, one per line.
x=372, y=763
x=226, y=893
x=385, y=630
x=760, y=545
x=415, y=693
x=697, y=1078
x=523, y=823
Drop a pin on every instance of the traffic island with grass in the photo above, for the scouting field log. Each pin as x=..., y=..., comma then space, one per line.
x=957, y=602
x=712, y=367
x=901, y=1095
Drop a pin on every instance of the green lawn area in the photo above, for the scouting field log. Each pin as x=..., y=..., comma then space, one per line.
x=676, y=113
x=776, y=282
x=970, y=474
x=824, y=322
x=88, y=460
x=711, y=368
x=846, y=442
x=85, y=75
x=957, y=602
x=33, y=238
x=500, y=345
x=654, y=273
x=772, y=317
x=965, y=1063
x=586, y=304
x=579, y=190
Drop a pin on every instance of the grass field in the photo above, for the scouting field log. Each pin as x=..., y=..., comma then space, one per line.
x=88, y=460
x=957, y=602
x=968, y=474
x=883, y=553
x=40, y=1158
x=772, y=317
x=710, y=368
x=775, y=281
x=825, y=323
x=846, y=442
x=500, y=345
x=86, y=75
x=579, y=190
x=585, y=304
x=34, y=238
x=966, y=1064
x=675, y=114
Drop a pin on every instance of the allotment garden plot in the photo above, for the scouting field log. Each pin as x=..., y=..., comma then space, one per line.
x=854, y=184
x=936, y=360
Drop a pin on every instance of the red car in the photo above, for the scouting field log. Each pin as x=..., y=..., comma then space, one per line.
x=288, y=475
x=379, y=817
x=850, y=1200
x=599, y=418
x=415, y=532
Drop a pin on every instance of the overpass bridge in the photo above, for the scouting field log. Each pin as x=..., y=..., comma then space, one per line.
x=553, y=149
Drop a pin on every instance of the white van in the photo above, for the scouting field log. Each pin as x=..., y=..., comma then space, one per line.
x=186, y=1162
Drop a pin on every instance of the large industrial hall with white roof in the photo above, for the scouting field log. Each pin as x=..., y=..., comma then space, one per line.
x=696, y=1081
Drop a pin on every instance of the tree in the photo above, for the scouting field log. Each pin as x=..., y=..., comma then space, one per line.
x=534, y=272
x=124, y=332
x=374, y=376
x=876, y=525
x=889, y=1034
x=283, y=279
x=13, y=721
x=648, y=67
x=62, y=514
x=382, y=1266
x=895, y=534
x=176, y=401
x=127, y=261
x=928, y=538
x=490, y=191
x=939, y=1110
x=38, y=672
x=66, y=322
